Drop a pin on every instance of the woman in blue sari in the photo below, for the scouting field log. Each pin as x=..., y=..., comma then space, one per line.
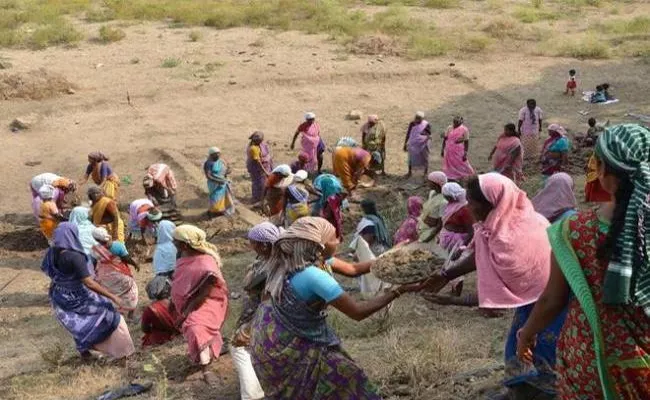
x=80, y=304
x=216, y=171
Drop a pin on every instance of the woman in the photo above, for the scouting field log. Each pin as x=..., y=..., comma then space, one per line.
x=216, y=172
x=80, y=304
x=555, y=152
x=143, y=217
x=310, y=142
x=162, y=176
x=160, y=188
x=511, y=254
x=349, y=163
x=296, y=354
x=48, y=214
x=366, y=248
x=530, y=129
x=158, y=323
x=408, y=231
x=430, y=221
x=370, y=212
x=418, y=136
x=296, y=205
x=261, y=238
x=373, y=138
x=508, y=154
x=330, y=202
x=457, y=220
x=200, y=296
x=113, y=269
x=600, y=267
x=164, y=256
x=594, y=192
x=455, y=146
x=556, y=200
x=275, y=192
x=259, y=164
x=80, y=217
x=102, y=174
x=62, y=186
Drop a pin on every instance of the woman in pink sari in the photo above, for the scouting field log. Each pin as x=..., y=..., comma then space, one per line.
x=310, y=142
x=455, y=146
x=416, y=144
x=408, y=231
x=200, y=296
x=457, y=219
x=508, y=154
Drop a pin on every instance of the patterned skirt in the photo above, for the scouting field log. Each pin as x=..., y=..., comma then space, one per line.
x=292, y=367
x=531, y=147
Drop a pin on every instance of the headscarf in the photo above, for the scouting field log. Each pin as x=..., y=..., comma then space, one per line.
x=454, y=191
x=556, y=196
x=420, y=114
x=164, y=257
x=310, y=116
x=626, y=147
x=46, y=192
x=300, y=195
x=414, y=206
x=80, y=217
x=257, y=135
x=214, y=150
x=512, y=249
x=438, y=177
x=282, y=169
x=196, y=239
x=265, y=232
x=373, y=118
x=369, y=208
x=328, y=185
x=66, y=236
x=298, y=247
x=346, y=141
x=557, y=128
x=97, y=156
x=300, y=176
x=101, y=235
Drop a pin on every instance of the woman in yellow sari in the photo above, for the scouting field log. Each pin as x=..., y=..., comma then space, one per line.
x=105, y=213
x=349, y=164
x=100, y=171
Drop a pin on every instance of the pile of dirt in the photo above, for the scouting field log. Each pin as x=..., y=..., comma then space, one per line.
x=34, y=85
x=22, y=240
x=406, y=265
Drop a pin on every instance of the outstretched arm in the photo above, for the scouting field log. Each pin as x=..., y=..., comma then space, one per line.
x=350, y=269
x=359, y=311
x=293, y=141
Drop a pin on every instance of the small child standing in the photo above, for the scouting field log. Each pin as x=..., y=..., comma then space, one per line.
x=571, y=84
x=49, y=215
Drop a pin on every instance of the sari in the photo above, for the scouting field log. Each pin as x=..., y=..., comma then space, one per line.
x=453, y=164
x=98, y=210
x=47, y=219
x=104, y=177
x=254, y=155
x=220, y=196
x=604, y=349
x=159, y=323
x=90, y=318
x=418, y=145
x=163, y=176
x=530, y=127
x=434, y=207
x=164, y=256
x=508, y=159
x=556, y=198
x=275, y=196
x=594, y=192
x=374, y=138
x=201, y=326
x=79, y=216
x=555, y=144
x=408, y=231
x=310, y=143
x=348, y=162
x=115, y=275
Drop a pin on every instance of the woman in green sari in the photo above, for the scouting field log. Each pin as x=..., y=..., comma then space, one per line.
x=601, y=267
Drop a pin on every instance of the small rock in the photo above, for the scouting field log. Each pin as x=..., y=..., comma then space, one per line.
x=32, y=163
x=71, y=91
x=98, y=66
x=247, y=60
x=242, y=52
x=452, y=64
x=271, y=64
x=235, y=295
x=380, y=60
x=353, y=115
x=76, y=122
x=232, y=82
x=20, y=124
x=314, y=54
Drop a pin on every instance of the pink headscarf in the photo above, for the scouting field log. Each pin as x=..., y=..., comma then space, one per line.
x=414, y=206
x=438, y=177
x=556, y=196
x=408, y=231
x=512, y=250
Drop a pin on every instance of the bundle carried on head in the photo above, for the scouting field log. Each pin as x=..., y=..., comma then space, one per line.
x=407, y=264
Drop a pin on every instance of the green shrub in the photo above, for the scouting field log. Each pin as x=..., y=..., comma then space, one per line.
x=529, y=15
x=109, y=34
x=423, y=46
x=99, y=14
x=440, y=3
x=472, y=43
x=195, y=36
x=170, y=62
x=586, y=48
x=636, y=26
x=60, y=32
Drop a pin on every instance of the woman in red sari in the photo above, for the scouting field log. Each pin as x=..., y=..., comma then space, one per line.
x=601, y=268
x=200, y=296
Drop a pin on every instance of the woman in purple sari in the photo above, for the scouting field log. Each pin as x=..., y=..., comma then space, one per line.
x=416, y=144
x=259, y=163
x=81, y=304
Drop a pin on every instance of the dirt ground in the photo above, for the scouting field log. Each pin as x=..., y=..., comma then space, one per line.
x=228, y=85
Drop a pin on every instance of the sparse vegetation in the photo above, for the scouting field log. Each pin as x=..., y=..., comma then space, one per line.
x=637, y=26
x=195, y=36
x=585, y=48
x=170, y=62
x=529, y=15
x=109, y=34
x=54, y=34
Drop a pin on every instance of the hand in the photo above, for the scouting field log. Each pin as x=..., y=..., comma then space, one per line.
x=436, y=298
x=464, y=157
x=409, y=288
x=405, y=149
x=435, y=283
x=293, y=146
x=117, y=302
x=137, y=268
x=525, y=346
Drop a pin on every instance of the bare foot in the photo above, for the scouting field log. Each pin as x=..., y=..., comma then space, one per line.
x=211, y=378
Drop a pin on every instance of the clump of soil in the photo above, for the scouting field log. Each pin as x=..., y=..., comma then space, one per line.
x=404, y=265
x=377, y=45
x=34, y=85
x=22, y=240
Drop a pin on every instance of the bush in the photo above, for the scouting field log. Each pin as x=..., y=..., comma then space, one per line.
x=529, y=15
x=109, y=34
x=502, y=28
x=422, y=46
x=170, y=62
x=195, y=36
x=586, y=48
x=97, y=14
x=440, y=3
x=60, y=32
x=472, y=43
x=635, y=26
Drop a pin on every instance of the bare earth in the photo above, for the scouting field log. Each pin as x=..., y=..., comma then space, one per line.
x=258, y=80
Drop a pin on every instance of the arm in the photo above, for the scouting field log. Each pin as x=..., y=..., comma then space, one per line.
x=359, y=311
x=547, y=308
x=267, y=173
x=351, y=270
x=519, y=124
x=466, y=146
x=439, y=280
x=91, y=284
x=129, y=260
x=293, y=141
x=494, y=149
x=540, y=125
x=114, y=212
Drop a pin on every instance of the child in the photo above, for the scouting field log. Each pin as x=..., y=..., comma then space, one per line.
x=571, y=85
x=589, y=139
x=49, y=215
x=599, y=96
x=608, y=95
x=299, y=164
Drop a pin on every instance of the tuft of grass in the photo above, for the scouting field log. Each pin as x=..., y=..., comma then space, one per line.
x=195, y=36
x=424, y=46
x=57, y=33
x=441, y=3
x=171, y=62
x=537, y=3
x=529, y=15
x=586, y=48
x=637, y=26
x=501, y=28
x=100, y=14
x=472, y=43
x=109, y=34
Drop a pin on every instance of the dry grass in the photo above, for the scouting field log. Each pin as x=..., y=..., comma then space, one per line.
x=110, y=34
x=171, y=62
x=35, y=85
x=195, y=36
x=588, y=47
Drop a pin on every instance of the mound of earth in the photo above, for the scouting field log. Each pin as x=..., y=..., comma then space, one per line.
x=34, y=85
x=404, y=265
